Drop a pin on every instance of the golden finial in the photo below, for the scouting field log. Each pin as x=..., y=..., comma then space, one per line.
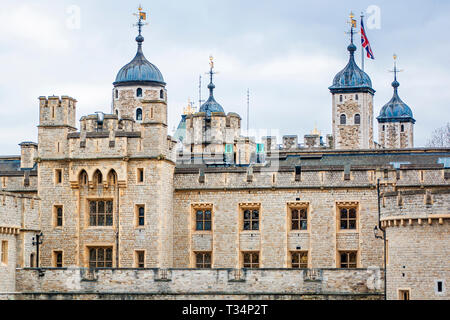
x=211, y=61
x=395, y=56
x=351, y=15
x=189, y=109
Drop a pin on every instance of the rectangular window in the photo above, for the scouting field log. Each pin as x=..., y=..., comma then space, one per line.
x=140, y=259
x=299, y=219
x=348, y=218
x=251, y=219
x=58, y=176
x=4, y=252
x=203, y=220
x=299, y=260
x=101, y=213
x=251, y=260
x=348, y=259
x=57, y=259
x=140, y=174
x=100, y=257
x=404, y=295
x=4, y=180
x=140, y=212
x=203, y=260
x=58, y=210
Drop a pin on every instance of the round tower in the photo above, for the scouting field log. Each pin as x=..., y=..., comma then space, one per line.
x=352, y=105
x=138, y=81
x=396, y=122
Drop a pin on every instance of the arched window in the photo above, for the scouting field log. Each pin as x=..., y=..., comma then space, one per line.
x=83, y=178
x=357, y=119
x=384, y=128
x=403, y=128
x=117, y=94
x=138, y=114
x=139, y=92
x=340, y=98
x=356, y=97
x=161, y=94
x=98, y=177
x=343, y=119
x=112, y=178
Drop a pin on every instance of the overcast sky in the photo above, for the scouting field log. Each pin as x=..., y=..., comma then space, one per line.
x=286, y=52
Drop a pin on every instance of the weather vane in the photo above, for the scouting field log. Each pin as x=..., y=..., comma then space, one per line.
x=395, y=71
x=142, y=16
x=353, y=24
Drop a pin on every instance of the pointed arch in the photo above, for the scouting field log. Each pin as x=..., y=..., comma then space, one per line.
x=83, y=178
x=112, y=177
x=98, y=177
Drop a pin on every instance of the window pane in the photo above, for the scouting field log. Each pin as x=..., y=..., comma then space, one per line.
x=352, y=224
x=199, y=226
x=101, y=207
x=208, y=215
x=352, y=213
x=344, y=258
x=344, y=224
x=255, y=215
x=109, y=207
x=246, y=225
x=199, y=215
x=295, y=225
x=93, y=206
x=246, y=214
x=208, y=226
x=93, y=220
x=101, y=220
x=343, y=213
x=255, y=225
x=304, y=225
x=109, y=220
x=294, y=214
x=303, y=214
x=246, y=258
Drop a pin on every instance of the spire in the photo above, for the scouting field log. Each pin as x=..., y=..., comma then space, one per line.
x=352, y=48
x=395, y=84
x=211, y=85
x=142, y=16
x=211, y=104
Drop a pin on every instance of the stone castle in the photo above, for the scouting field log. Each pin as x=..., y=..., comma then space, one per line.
x=119, y=209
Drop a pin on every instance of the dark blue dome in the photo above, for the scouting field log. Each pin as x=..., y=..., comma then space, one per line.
x=396, y=110
x=139, y=70
x=211, y=104
x=352, y=77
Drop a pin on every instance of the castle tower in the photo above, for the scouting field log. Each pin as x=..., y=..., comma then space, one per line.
x=352, y=94
x=396, y=122
x=139, y=81
x=210, y=130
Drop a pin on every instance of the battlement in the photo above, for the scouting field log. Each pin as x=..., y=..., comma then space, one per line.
x=57, y=111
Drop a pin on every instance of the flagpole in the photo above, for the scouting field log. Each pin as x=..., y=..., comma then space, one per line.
x=362, y=48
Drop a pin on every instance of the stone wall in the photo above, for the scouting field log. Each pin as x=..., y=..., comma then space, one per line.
x=417, y=226
x=194, y=284
x=18, y=224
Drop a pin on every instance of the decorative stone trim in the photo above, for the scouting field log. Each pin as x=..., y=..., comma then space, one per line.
x=10, y=230
x=249, y=204
x=298, y=204
x=202, y=205
x=409, y=220
x=347, y=203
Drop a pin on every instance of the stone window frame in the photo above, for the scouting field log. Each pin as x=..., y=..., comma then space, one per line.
x=298, y=206
x=348, y=252
x=137, y=114
x=140, y=175
x=299, y=252
x=56, y=215
x=137, y=256
x=59, y=176
x=203, y=264
x=4, y=252
x=88, y=213
x=97, y=246
x=139, y=93
x=436, y=287
x=4, y=182
x=357, y=119
x=137, y=216
x=203, y=207
x=250, y=206
x=55, y=255
x=347, y=205
x=401, y=292
x=251, y=264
